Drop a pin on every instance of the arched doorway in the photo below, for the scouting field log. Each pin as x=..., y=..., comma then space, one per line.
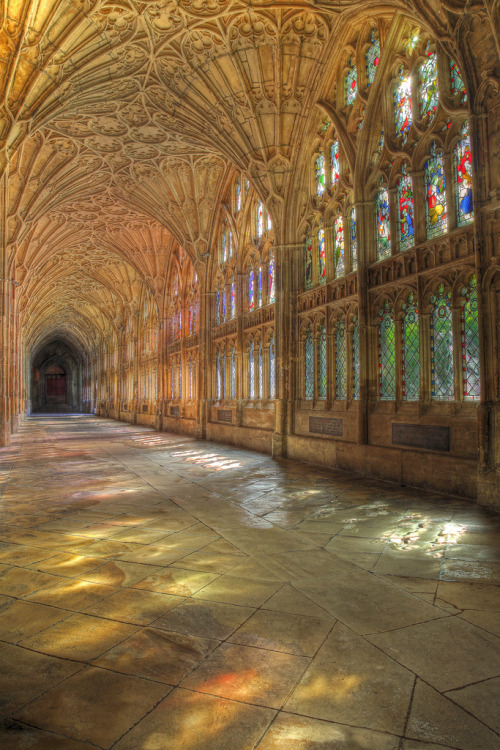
x=56, y=388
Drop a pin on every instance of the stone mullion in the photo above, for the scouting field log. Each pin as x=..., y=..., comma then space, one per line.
x=365, y=239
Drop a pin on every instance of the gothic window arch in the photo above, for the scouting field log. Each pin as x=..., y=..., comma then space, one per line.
x=410, y=349
x=463, y=177
x=436, y=210
x=403, y=108
x=383, y=221
x=351, y=82
x=405, y=207
x=372, y=57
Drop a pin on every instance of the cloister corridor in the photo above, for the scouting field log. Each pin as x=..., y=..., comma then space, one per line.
x=163, y=593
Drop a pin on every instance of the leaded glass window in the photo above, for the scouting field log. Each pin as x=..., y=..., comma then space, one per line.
x=355, y=361
x=457, y=83
x=470, y=343
x=406, y=222
x=442, y=346
x=179, y=380
x=232, y=373
x=335, y=161
x=463, y=176
x=269, y=224
x=321, y=256
x=176, y=284
x=259, y=219
x=251, y=370
x=351, y=84
x=435, y=200
x=218, y=375
x=322, y=363
x=339, y=246
x=410, y=351
x=271, y=279
x=353, y=238
x=272, y=374
x=308, y=262
x=261, y=373
x=309, y=365
x=402, y=105
x=428, y=85
x=238, y=195
x=340, y=362
x=387, y=355
x=259, y=287
x=223, y=303
x=383, y=224
x=251, y=290
x=225, y=240
x=372, y=57
x=217, y=306
x=320, y=172
x=232, y=299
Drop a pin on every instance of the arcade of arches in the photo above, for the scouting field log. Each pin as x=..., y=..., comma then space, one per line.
x=270, y=224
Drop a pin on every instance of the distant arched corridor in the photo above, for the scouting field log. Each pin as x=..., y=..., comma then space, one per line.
x=158, y=591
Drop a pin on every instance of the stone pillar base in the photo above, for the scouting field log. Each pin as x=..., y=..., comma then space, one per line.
x=278, y=449
x=15, y=421
x=5, y=434
x=488, y=489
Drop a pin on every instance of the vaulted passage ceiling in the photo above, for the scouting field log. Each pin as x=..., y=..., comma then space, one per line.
x=120, y=124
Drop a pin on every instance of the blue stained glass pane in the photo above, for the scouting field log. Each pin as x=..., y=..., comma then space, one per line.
x=411, y=352
x=351, y=84
x=233, y=299
x=322, y=363
x=320, y=173
x=309, y=365
x=387, y=356
x=435, y=203
x=355, y=362
x=402, y=106
x=335, y=161
x=353, y=240
x=463, y=176
x=272, y=374
x=308, y=263
x=406, y=222
x=470, y=344
x=321, y=256
x=251, y=290
x=339, y=246
x=428, y=86
x=372, y=58
x=442, y=347
x=340, y=362
x=271, y=280
x=383, y=224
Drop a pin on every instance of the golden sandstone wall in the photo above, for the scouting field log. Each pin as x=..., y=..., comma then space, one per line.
x=208, y=204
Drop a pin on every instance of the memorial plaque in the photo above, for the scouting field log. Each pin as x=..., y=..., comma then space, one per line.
x=145, y=408
x=225, y=415
x=326, y=426
x=430, y=437
x=174, y=411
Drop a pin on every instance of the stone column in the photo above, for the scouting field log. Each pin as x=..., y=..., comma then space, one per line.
x=203, y=352
x=5, y=295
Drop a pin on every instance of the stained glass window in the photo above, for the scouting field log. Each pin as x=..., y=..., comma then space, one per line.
x=272, y=374
x=176, y=284
x=232, y=306
x=260, y=379
x=335, y=161
x=232, y=373
x=238, y=194
x=223, y=303
x=406, y=222
x=340, y=362
x=353, y=238
x=355, y=361
x=428, y=85
x=351, y=83
x=320, y=172
x=269, y=224
x=259, y=287
x=435, y=196
x=217, y=306
x=457, y=83
x=322, y=363
x=321, y=256
x=470, y=343
x=410, y=351
x=402, y=105
x=463, y=176
x=179, y=380
x=339, y=246
x=383, y=224
x=251, y=290
x=308, y=262
x=251, y=370
x=412, y=42
x=271, y=279
x=218, y=373
x=229, y=244
x=259, y=219
x=309, y=365
x=225, y=241
x=172, y=381
x=372, y=57
x=387, y=355
x=442, y=346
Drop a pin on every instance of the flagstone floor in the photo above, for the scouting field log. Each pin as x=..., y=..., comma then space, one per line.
x=162, y=593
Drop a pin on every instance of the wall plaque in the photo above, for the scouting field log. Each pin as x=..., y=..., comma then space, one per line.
x=225, y=415
x=326, y=426
x=174, y=411
x=145, y=408
x=430, y=437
